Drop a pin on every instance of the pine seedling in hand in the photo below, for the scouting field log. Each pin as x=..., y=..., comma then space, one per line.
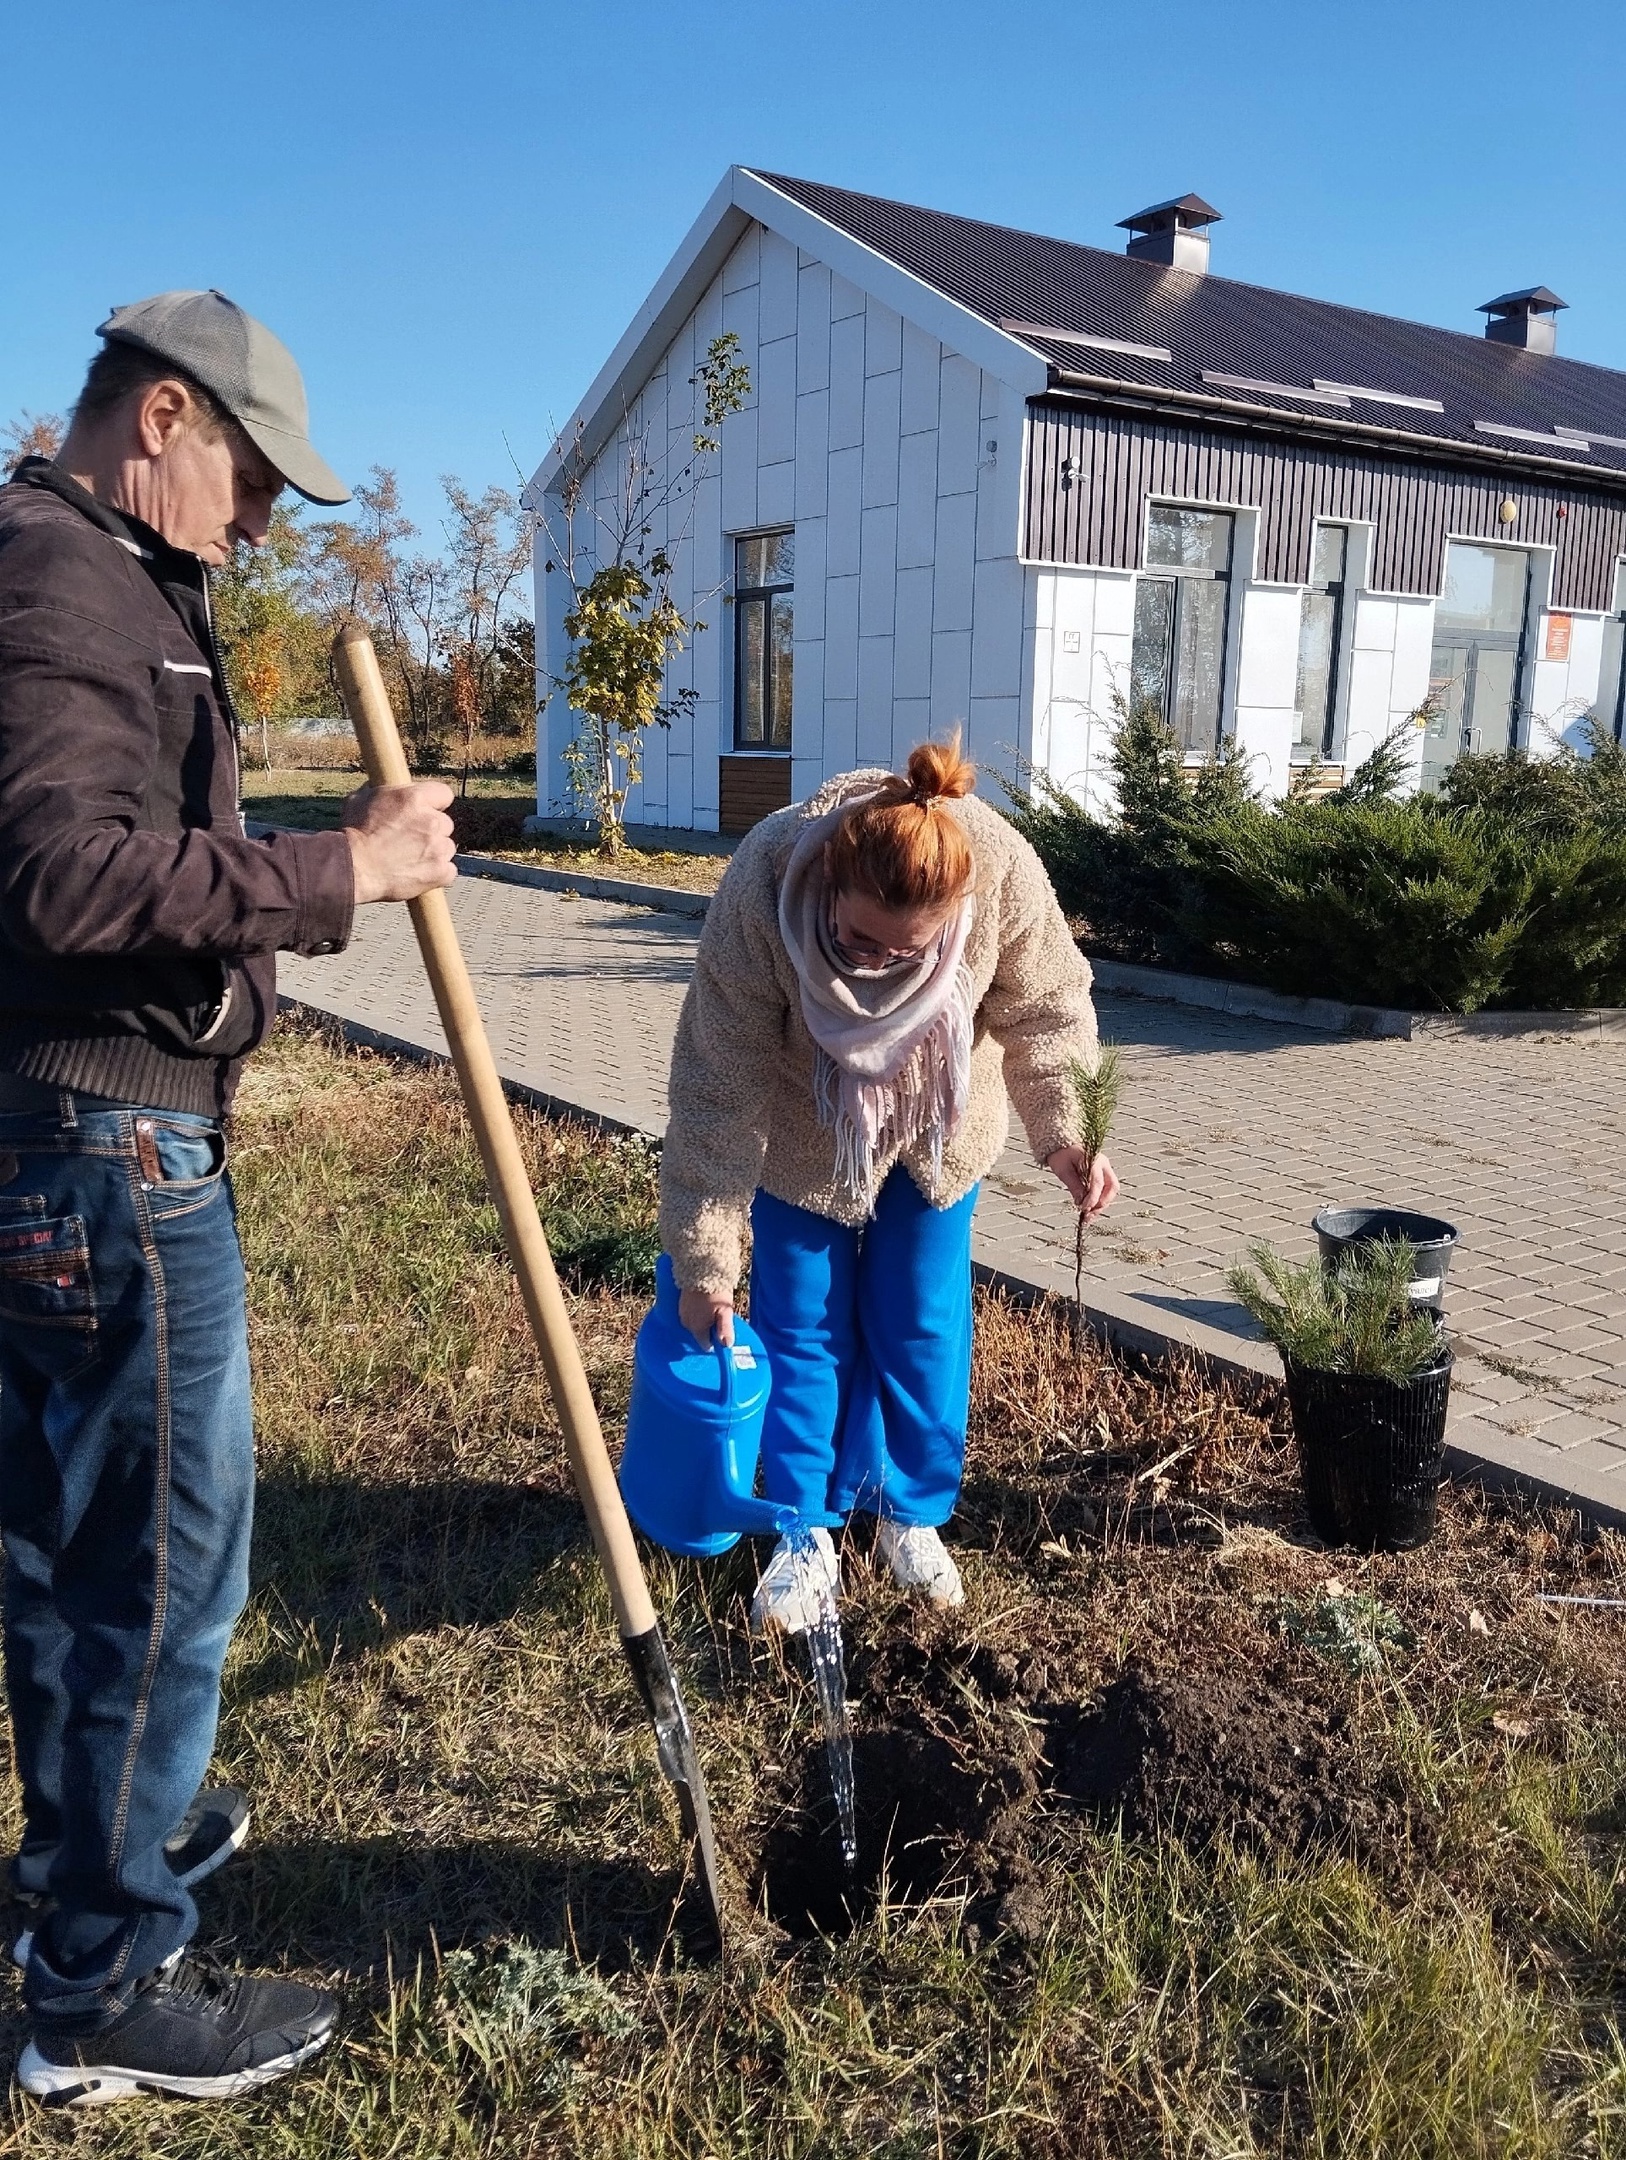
x=1096, y=1089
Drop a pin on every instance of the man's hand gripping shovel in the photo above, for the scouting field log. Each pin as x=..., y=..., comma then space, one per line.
x=367, y=703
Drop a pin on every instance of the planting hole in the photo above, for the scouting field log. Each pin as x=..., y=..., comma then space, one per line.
x=920, y=1808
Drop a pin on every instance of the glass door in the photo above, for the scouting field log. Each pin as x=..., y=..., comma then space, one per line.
x=1477, y=669
x=1178, y=659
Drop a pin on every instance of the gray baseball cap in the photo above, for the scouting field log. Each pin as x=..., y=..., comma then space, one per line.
x=252, y=373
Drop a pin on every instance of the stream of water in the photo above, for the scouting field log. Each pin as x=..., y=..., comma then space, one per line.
x=830, y=1679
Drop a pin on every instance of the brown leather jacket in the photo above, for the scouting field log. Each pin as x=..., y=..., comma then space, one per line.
x=138, y=924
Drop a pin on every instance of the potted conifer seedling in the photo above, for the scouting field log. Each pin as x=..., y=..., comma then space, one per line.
x=1368, y=1382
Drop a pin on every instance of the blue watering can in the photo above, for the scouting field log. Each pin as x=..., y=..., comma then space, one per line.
x=694, y=1432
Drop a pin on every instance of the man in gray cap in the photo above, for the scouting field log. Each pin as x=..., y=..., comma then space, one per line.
x=138, y=933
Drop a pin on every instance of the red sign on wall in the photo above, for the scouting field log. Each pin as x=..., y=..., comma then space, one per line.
x=1558, y=637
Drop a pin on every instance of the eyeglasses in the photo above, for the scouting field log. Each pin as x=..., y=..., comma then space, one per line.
x=867, y=950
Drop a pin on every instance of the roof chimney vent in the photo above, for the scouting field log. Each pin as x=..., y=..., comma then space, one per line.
x=1172, y=232
x=1528, y=319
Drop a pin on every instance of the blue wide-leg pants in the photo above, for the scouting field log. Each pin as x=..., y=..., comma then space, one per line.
x=868, y=1332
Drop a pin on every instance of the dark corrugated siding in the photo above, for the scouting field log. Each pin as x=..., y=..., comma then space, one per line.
x=1091, y=472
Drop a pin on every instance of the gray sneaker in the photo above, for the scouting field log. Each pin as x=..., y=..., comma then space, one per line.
x=210, y=1831
x=192, y=2029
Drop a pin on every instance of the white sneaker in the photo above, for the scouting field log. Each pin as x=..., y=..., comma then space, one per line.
x=794, y=1583
x=919, y=1560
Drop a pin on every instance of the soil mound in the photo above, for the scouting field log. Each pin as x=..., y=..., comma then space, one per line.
x=1221, y=1755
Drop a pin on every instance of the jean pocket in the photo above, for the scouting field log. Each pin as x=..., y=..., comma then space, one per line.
x=45, y=1275
x=183, y=1168
x=179, y=1155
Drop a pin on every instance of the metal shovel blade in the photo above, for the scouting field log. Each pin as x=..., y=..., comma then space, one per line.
x=674, y=1743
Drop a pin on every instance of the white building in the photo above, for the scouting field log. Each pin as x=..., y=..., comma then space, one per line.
x=996, y=481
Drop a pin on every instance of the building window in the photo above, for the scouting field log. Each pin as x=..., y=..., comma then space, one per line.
x=764, y=574
x=1321, y=628
x=1476, y=673
x=1181, y=607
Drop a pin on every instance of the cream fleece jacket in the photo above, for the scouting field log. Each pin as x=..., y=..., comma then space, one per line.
x=742, y=1107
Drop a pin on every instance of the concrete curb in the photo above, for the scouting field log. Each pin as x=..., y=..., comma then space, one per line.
x=1331, y=1016
x=1475, y=1452
x=1594, y=1020
x=664, y=899
x=1326, y=1016
x=362, y=1037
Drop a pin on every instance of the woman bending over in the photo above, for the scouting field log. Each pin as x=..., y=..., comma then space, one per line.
x=880, y=965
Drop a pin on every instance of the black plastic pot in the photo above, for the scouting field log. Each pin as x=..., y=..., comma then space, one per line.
x=1371, y=1452
x=1433, y=1240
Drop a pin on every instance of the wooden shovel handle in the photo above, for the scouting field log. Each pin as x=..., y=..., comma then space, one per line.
x=367, y=702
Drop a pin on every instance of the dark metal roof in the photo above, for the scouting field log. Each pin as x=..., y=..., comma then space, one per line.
x=1105, y=317
x=1533, y=296
x=1192, y=207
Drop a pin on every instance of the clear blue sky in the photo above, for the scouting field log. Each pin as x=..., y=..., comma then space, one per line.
x=450, y=208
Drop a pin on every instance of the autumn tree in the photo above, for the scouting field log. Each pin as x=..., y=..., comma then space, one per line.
x=273, y=641
x=32, y=435
x=623, y=622
x=362, y=571
x=488, y=550
x=513, y=684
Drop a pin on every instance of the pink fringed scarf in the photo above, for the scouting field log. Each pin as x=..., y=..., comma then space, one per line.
x=893, y=1045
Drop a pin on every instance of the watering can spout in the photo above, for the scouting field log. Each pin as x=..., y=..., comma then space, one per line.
x=751, y=1517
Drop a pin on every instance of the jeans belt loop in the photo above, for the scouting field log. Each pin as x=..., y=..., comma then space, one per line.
x=147, y=1152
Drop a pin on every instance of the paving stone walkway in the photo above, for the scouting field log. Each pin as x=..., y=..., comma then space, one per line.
x=1231, y=1129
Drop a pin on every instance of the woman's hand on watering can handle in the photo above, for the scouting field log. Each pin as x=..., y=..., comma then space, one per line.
x=708, y=1318
x=1074, y=1167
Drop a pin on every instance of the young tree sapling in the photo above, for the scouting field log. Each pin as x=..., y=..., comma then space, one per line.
x=1096, y=1089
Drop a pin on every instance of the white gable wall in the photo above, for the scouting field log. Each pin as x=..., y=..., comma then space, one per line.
x=898, y=462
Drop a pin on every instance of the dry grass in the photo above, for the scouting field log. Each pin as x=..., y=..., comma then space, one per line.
x=294, y=756
x=488, y=821
x=689, y=871
x=459, y=1821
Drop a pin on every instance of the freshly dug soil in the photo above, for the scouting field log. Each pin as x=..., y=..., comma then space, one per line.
x=1220, y=1754
x=954, y=1794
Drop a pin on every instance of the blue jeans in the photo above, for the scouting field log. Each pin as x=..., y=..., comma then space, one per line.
x=868, y=1333
x=126, y=1496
